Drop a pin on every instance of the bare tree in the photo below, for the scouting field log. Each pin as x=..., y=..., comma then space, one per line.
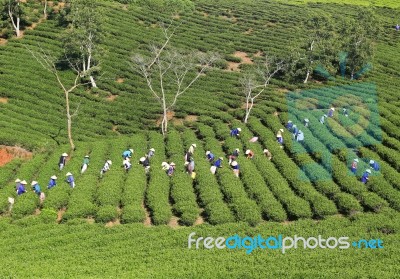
x=253, y=88
x=45, y=8
x=48, y=62
x=170, y=73
x=14, y=10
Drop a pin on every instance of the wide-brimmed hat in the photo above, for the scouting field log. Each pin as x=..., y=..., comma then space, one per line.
x=234, y=163
x=194, y=145
x=290, y=121
x=142, y=159
x=34, y=183
x=325, y=115
x=239, y=129
x=172, y=164
x=247, y=151
x=265, y=150
x=281, y=130
x=221, y=158
x=237, y=149
x=23, y=182
x=68, y=174
x=53, y=177
x=368, y=170
x=371, y=161
x=86, y=156
x=332, y=108
x=152, y=149
x=164, y=164
x=306, y=120
x=17, y=180
x=131, y=150
x=208, y=152
x=356, y=160
x=109, y=162
x=64, y=154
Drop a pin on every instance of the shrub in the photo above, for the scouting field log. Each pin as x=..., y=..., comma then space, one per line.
x=347, y=204
x=106, y=214
x=132, y=214
x=48, y=216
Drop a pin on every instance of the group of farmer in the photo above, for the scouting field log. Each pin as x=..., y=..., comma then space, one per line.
x=21, y=184
x=299, y=136
x=364, y=178
x=189, y=163
x=126, y=161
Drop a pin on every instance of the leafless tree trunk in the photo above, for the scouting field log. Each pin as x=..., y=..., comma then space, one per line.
x=45, y=9
x=267, y=70
x=87, y=65
x=311, y=62
x=167, y=68
x=15, y=23
x=49, y=63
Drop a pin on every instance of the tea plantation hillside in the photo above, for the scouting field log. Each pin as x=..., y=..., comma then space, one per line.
x=136, y=224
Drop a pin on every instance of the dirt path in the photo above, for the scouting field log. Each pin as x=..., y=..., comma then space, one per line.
x=147, y=219
x=60, y=214
x=174, y=222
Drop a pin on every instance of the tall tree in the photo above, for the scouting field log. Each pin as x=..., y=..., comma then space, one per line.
x=318, y=49
x=15, y=12
x=83, y=37
x=358, y=41
x=255, y=84
x=170, y=73
x=49, y=63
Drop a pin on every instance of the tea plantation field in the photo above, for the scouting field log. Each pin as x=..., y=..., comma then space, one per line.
x=136, y=225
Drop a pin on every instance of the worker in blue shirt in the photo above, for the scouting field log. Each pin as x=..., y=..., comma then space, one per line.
x=210, y=156
x=374, y=165
x=36, y=187
x=331, y=111
x=354, y=165
x=218, y=163
x=127, y=153
x=235, y=167
x=279, y=136
x=21, y=188
x=235, y=132
x=17, y=183
x=70, y=180
x=52, y=182
x=289, y=125
x=171, y=169
x=365, y=176
x=295, y=130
